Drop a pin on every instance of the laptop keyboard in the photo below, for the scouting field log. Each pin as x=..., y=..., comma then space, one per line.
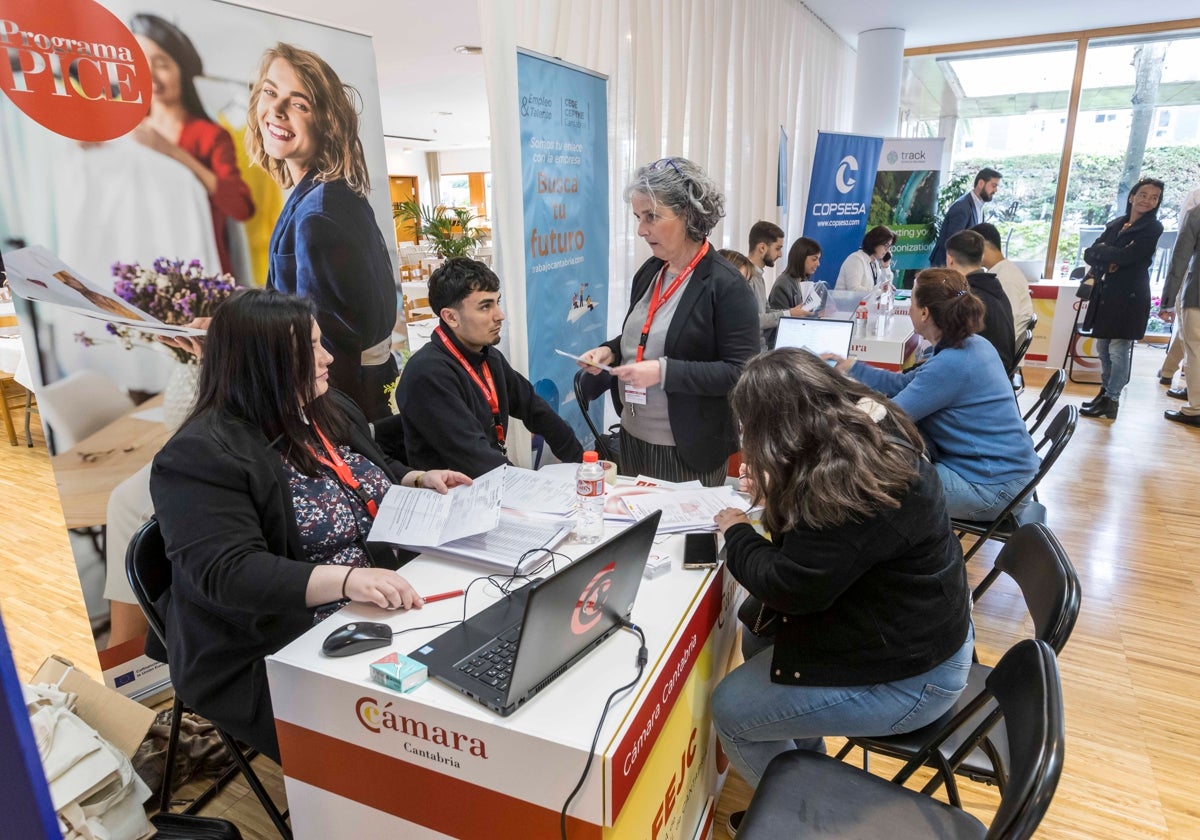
x=492, y=664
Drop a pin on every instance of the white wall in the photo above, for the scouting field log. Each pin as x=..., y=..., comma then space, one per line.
x=456, y=161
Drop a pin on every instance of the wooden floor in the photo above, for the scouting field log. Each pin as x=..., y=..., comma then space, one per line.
x=1123, y=499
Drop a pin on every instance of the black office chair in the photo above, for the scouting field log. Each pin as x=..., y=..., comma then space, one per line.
x=589, y=387
x=1054, y=441
x=805, y=794
x=1037, y=562
x=149, y=573
x=1014, y=372
x=1046, y=400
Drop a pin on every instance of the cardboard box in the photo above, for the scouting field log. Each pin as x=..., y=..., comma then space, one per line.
x=119, y=720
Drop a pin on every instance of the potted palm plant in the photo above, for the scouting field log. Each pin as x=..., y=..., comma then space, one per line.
x=447, y=229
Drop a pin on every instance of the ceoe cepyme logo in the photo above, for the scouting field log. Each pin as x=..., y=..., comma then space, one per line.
x=73, y=67
x=590, y=606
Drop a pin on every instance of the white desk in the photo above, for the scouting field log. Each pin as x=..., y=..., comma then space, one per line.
x=433, y=763
x=892, y=348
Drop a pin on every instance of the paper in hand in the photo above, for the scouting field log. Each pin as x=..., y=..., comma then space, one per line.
x=583, y=361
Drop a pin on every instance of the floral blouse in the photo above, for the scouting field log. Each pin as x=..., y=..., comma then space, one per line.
x=332, y=518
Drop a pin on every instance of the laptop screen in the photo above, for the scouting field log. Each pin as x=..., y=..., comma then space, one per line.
x=817, y=335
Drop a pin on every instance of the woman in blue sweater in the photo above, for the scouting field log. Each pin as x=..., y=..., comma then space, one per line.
x=961, y=400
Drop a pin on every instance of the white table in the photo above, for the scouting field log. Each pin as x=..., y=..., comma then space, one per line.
x=433, y=763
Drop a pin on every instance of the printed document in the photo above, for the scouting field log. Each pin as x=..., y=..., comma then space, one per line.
x=423, y=518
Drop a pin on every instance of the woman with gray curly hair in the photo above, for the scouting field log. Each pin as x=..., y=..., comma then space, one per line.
x=691, y=326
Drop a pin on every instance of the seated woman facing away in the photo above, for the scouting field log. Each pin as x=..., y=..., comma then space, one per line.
x=961, y=400
x=873, y=632
x=265, y=497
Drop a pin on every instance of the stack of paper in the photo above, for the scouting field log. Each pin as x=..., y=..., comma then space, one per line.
x=686, y=507
x=466, y=522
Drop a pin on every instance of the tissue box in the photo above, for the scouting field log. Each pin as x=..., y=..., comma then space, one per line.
x=399, y=673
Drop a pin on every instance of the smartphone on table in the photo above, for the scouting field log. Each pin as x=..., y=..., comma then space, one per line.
x=700, y=551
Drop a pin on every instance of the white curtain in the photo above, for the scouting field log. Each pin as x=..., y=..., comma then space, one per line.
x=709, y=80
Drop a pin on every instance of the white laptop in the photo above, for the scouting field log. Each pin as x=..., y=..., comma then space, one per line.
x=817, y=335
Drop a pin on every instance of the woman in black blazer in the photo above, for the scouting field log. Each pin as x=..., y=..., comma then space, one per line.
x=1119, y=307
x=265, y=497
x=692, y=324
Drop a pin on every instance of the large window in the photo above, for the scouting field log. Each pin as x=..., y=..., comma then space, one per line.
x=1138, y=114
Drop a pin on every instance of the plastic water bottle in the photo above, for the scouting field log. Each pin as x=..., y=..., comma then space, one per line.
x=883, y=313
x=860, y=319
x=589, y=494
x=1062, y=272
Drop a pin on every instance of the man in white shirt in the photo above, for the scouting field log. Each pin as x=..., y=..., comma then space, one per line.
x=1012, y=279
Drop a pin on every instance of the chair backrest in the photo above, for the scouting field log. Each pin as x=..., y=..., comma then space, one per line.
x=1055, y=439
x=80, y=404
x=1037, y=561
x=589, y=387
x=149, y=573
x=1032, y=322
x=1022, y=349
x=1046, y=400
x=1028, y=689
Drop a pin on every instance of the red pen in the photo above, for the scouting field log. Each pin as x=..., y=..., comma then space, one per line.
x=442, y=596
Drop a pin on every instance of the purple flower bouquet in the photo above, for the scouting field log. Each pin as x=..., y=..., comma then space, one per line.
x=173, y=291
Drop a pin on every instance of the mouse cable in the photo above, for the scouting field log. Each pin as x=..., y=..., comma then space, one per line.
x=643, y=657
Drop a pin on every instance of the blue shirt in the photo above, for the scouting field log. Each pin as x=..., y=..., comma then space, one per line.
x=963, y=404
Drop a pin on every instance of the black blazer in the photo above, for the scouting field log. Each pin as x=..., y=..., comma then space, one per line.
x=863, y=602
x=713, y=333
x=238, y=574
x=1120, y=303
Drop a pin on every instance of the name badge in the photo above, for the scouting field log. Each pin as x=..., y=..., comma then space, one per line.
x=635, y=395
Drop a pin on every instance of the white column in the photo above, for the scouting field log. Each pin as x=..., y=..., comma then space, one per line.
x=877, y=82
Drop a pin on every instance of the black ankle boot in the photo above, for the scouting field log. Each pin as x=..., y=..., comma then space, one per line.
x=1093, y=400
x=1105, y=407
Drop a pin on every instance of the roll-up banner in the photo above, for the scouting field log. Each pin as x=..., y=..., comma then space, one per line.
x=89, y=175
x=905, y=199
x=839, y=197
x=564, y=175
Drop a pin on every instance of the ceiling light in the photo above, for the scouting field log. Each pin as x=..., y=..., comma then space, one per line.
x=468, y=49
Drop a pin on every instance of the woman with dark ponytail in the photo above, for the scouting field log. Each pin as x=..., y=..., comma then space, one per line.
x=961, y=400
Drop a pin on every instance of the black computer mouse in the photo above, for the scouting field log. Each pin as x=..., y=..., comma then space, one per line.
x=357, y=637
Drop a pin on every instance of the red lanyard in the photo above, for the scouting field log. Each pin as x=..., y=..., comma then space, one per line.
x=487, y=384
x=342, y=470
x=659, y=297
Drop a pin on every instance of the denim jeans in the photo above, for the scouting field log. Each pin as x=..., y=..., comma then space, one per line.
x=965, y=500
x=1115, y=354
x=757, y=719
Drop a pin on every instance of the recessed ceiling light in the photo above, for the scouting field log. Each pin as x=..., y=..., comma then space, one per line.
x=468, y=49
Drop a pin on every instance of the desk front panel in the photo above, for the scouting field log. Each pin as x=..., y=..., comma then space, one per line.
x=433, y=763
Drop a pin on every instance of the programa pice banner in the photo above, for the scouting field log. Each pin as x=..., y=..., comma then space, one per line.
x=839, y=197
x=564, y=176
x=89, y=172
x=905, y=199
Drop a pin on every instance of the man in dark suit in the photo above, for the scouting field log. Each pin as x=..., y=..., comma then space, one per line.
x=964, y=253
x=966, y=212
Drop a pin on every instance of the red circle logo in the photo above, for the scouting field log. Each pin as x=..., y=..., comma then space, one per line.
x=590, y=606
x=73, y=67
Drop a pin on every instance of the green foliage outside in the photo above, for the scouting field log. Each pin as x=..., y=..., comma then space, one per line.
x=1024, y=206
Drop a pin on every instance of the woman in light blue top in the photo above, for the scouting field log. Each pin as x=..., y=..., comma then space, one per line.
x=961, y=400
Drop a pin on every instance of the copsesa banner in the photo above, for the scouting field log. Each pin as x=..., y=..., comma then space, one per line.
x=839, y=197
